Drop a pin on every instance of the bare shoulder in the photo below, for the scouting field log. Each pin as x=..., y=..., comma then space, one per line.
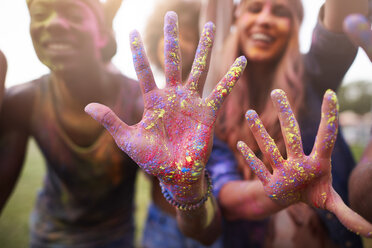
x=17, y=104
x=131, y=98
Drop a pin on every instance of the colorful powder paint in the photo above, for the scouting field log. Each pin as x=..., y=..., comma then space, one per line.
x=292, y=176
x=174, y=137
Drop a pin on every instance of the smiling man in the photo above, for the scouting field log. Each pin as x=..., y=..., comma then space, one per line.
x=87, y=196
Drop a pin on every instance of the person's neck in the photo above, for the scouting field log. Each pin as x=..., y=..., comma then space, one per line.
x=80, y=87
x=260, y=79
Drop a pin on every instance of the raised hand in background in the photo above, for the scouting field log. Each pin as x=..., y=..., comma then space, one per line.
x=301, y=178
x=358, y=29
x=174, y=138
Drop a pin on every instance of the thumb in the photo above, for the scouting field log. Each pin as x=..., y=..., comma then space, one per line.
x=107, y=118
x=350, y=219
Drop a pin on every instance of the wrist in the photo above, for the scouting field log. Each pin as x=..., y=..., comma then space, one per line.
x=188, y=197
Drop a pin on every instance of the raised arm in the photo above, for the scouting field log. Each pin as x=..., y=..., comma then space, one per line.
x=301, y=178
x=3, y=69
x=360, y=184
x=335, y=11
x=12, y=152
x=358, y=28
x=174, y=139
x=13, y=138
x=221, y=13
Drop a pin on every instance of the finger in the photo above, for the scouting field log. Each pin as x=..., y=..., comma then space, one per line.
x=199, y=69
x=350, y=219
x=264, y=141
x=141, y=63
x=327, y=132
x=224, y=87
x=172, y=53
x=107, y=118
x=288, y=123
x=254, y=163
x=3, y=69
x=358, y=28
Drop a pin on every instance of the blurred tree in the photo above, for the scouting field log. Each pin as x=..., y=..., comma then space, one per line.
x=356, y=97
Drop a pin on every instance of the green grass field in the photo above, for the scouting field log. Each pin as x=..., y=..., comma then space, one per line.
x=14, y=219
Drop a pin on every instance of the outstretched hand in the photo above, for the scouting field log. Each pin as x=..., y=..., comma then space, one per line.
x=358, y=29
x=174, y=138
x=3, y=69
x=300, y=177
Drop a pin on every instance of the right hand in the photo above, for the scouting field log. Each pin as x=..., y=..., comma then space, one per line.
x=358, y=28
x=174, y=138
x=3, y=69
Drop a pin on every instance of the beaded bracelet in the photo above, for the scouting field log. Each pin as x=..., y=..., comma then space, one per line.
x=185, y=206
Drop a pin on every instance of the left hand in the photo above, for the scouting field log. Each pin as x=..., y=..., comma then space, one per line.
x=300, y=177
x=174, y=138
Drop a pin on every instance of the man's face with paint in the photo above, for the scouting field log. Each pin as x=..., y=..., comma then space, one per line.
x=65, y=33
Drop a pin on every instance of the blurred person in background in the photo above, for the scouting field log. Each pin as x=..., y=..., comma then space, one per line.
x=266, y=32
x=87, y=196
x=358, y=28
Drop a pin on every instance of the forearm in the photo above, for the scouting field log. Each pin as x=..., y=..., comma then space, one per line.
x=207, y=12
x=12, y=151
x=220, y=12
x=360, y=185
x=197, y=212
x=335, y=11
x=202, y=224
x=246, y=200
x=3, y=69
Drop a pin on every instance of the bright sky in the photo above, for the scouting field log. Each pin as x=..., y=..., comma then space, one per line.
x=23, y=64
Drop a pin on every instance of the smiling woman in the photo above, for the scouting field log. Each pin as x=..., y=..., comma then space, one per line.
x=257, y=42
x=267, y=33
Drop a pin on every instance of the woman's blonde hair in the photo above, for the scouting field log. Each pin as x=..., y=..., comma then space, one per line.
x=231, y=125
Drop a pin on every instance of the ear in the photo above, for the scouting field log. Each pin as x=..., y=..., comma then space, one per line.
x=103, y=38
x=237, y=11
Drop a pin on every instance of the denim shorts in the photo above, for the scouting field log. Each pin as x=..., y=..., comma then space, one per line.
x=161, y=231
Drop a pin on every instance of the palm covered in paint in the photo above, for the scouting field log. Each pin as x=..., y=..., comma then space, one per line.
x=300, y=177
x=174, y=138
